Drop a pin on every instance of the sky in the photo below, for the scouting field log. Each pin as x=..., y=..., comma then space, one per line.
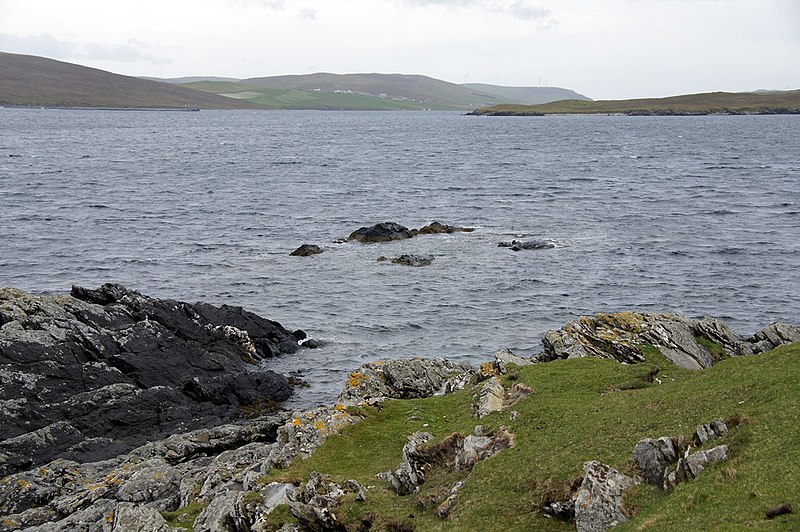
x=605, y=49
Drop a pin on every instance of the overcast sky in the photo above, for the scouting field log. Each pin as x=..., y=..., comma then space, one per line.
x=601, y=48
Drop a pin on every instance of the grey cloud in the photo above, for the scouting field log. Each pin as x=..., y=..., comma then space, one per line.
x=528, y=11
x=44, y=44
x=308, y=14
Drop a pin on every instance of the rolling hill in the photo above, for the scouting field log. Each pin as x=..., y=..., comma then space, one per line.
x=527, y=95
x=762, y=102
x=37, y=81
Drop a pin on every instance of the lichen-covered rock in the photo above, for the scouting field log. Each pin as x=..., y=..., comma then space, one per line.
x=619, y=337
x=405, y=379
x=232, y=511
x=691, y=464
x=598, y=504
x=490, y=397
x=318, y=498
x=505, y=357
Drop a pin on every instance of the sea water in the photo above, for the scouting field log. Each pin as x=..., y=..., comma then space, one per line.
x=696, y=215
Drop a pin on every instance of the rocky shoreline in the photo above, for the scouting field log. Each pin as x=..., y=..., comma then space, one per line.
x=118, y=408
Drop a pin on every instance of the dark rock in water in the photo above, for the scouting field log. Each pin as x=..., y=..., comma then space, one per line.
x=312, y=343
x=411, y=260
x=518, y=245
x=307, y=249
x=438, y=228
x=382, y=232
x=90, y=375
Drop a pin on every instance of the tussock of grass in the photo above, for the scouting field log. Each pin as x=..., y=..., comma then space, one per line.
x=184, y=517
x=584, y=410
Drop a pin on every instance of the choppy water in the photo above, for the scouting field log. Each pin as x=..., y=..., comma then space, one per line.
x=698, y=215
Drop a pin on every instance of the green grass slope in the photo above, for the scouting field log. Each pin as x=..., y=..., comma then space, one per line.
x=713, y=102
x=299, y=99
x=425, y=91
x=581, y=410
x=38, y=81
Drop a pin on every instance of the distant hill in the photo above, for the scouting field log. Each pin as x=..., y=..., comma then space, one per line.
x=190, y=79
x=762, y=102
x=38, y=81
x=374, y=91
x=526, y=95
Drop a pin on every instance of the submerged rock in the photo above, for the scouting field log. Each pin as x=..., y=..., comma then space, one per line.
x=306, y=250
x=416, y=261
x=438, y=228
x=518, y=245
x=91, y=375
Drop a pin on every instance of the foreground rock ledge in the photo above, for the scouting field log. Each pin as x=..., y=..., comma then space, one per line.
x=91, y=375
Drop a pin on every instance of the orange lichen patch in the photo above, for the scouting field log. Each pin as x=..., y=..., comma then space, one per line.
x=340, y=407
x=10, y=523
x=23, y=483
x=356, y=379
x=296, y=422
x=319, y=425
x=489, y=369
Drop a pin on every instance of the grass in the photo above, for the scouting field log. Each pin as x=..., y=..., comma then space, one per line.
x=582, y=410
x=705, y=103
x=184, y=517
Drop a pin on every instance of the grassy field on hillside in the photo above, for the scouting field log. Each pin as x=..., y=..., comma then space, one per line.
x=581, y=410
x=713, y=102
x=308, y=99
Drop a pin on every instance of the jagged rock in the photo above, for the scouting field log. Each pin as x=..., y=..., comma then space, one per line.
x=504, y=357
x=711, y=431
x=306, y=250
x=598, y=504
x=410, y=474
x=405, y=379
x=618, y=337
x=518, y=245
x=93, y=374
x=439, y=228
x=228, y=512
x=275, y=494
x=382, y=232
x=454, y=453
x=653, y=458
x=691, y=464
x=490, y=398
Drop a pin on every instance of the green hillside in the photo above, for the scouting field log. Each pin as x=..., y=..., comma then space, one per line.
x=527, y=95
x=581, y=410
x=37, y=81
x=705, y=103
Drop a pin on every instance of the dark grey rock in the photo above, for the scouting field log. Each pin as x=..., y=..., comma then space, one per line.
x=414, y=260
x=711, y=431
x=382, y=232
x=519, y=245
x=94, y=374
x=438, y=228
x=654, y=457
x=307, y=249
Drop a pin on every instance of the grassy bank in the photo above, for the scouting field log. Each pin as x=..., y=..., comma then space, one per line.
x=588, y=409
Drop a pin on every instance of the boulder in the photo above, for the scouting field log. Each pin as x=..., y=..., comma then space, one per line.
x=598, y=504
x=505, y=357
x=490, y=398
x=382, y=232
x=710, y=431
x=91, y=375
x=307, y=249
x=654, y=457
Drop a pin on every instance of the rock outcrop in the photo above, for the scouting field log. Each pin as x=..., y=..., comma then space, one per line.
x=682, y=340
x=598, y=503
x=406, y=379
x=388, y=231
x=91, y=375
x=410, y=260
x=519, y=245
